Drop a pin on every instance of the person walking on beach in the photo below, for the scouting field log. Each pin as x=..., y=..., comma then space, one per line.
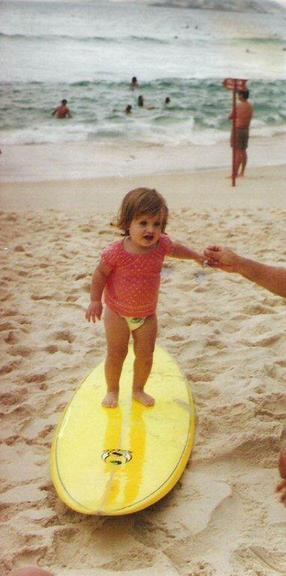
x=273, y=278
x=129, y=276
x=242, y=120
x=62, y=111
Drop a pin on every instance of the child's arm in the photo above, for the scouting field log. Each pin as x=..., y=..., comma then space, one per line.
x=97, y=286
x=181, y=251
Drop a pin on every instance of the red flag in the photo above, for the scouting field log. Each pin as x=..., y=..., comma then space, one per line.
x=235, y=84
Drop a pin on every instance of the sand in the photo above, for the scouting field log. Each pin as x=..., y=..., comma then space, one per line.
x=223, y=518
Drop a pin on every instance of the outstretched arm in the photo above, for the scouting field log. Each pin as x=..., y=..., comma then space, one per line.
x=273, y=278
x=183, y=252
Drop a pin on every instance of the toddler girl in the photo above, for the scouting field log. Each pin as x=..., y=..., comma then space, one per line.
x=129, y=276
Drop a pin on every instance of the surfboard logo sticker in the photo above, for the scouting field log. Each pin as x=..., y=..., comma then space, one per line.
x=117, y=456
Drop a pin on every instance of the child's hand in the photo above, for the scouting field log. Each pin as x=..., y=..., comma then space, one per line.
x=94, y=311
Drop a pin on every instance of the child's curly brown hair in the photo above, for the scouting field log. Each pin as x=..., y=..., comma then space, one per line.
x=141, y=201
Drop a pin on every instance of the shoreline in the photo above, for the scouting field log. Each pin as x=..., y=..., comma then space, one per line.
x=87, y=160
x=198, y=190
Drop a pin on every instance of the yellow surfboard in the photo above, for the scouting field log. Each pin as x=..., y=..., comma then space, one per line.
x=115, y=461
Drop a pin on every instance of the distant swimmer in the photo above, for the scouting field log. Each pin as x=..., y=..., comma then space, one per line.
x=128, y=109
x=141, y=104
x=134, y=83
x=140, y=101
x=167, y=101
x=62, y=111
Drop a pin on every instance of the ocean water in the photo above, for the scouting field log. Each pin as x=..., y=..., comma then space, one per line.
x=87, y=52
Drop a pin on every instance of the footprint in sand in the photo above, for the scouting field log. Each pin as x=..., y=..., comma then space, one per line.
x=23, y=351
x=36, y=377
x=19, y=322
x=272, y=407
x=251, y=309
x=264, y=341
x=14, y=397
x=51, y=348
x=65, y=347
x=60, y=341
x=72, y=298
x=136, y=559
x=82, y=275
x=46, y=296
x=255, y=556
x=65, y=335
x=6, y=326
x=12, y=337
x=10, y=366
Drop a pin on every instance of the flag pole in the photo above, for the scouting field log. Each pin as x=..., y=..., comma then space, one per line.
x=234, y=131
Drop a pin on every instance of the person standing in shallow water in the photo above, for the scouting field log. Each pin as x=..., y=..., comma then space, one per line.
x=140, y=101
x=239, y=141
x=62, y=111
x=134, y=83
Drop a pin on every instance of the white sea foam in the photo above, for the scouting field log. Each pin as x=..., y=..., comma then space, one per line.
x=88, y=52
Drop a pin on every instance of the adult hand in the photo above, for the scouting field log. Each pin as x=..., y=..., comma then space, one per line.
x=222, y=258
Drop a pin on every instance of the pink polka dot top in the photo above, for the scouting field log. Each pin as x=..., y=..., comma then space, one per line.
x=132, y=287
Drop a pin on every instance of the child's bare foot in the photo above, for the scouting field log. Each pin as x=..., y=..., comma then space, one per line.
x=143, y=398
x=110, y=400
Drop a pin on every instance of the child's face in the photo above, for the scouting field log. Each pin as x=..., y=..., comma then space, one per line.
x=145, y=230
